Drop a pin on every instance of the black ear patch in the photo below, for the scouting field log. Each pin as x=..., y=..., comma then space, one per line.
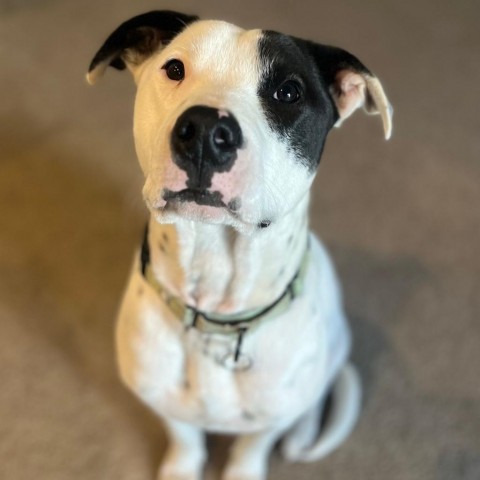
x=138, y=38
x=330, y=60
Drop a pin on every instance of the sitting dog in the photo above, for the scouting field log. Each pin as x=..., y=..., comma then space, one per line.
x=232, y=320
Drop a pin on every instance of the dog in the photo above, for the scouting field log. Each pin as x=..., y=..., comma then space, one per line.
x=232, y=320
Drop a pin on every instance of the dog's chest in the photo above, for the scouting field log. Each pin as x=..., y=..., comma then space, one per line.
x=188, y=375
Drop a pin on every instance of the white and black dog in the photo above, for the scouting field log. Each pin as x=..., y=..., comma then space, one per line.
x=232, y=320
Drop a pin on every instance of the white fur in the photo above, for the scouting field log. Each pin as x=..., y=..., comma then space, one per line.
x=222, y=262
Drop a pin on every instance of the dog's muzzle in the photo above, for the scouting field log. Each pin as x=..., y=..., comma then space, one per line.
x=205, y=141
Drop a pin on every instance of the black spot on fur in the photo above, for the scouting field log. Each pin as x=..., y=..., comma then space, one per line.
x=264, y=224
x=145, y=252
x=235, y=204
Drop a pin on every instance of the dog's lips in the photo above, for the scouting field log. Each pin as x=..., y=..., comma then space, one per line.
x=200, y=197
x=202, y=206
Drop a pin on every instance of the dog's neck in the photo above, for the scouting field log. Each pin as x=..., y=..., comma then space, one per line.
x=214, y=268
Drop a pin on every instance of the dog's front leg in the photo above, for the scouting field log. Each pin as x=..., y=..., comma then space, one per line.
x=248, y=458
x=186, y=454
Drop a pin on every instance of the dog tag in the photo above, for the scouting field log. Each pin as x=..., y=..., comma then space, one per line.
x=241, y=363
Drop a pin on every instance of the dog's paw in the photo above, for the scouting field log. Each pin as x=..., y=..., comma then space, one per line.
x=180, y=467
x=175, y=474
x=241, y=476
x=235, y=473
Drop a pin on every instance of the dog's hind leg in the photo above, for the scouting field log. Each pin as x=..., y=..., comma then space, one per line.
x=186, y=454
x=300, y=445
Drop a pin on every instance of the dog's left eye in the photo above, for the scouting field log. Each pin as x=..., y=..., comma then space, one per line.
x=175, y=70
x=289, y=92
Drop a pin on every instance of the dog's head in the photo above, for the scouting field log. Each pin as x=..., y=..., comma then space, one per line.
x=230, y=124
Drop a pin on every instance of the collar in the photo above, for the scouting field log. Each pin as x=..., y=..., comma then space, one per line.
x=214, y=323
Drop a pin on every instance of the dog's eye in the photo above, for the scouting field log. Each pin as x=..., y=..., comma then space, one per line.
x=175, y=70
x=289, y=92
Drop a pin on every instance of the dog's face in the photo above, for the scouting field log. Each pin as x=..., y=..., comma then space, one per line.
x=225, y=129
x=230, y=124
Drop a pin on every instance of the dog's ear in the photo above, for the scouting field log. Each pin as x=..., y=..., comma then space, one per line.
x=136, y=39
x=351, y=84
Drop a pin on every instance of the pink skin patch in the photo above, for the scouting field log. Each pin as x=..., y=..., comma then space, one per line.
x=223, y=113
x=175, y=179
x=171, y=178
x=232, y=184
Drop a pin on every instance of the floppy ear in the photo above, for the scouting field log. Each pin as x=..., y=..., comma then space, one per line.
x=136, y=39
x=351, y=85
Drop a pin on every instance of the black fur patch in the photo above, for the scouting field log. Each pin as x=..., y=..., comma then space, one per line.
x=145, y=252
x=235, y=204
x=143, y=35
x=264, y=224
x=306, y=122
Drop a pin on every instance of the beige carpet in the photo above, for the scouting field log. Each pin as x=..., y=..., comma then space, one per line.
x=401, y=218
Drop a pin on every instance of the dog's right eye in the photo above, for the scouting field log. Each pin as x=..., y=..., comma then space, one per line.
x=289, y=92
x=175, y=70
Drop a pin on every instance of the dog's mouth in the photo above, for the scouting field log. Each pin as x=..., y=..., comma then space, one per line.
x=201, y=197
x=206, y=206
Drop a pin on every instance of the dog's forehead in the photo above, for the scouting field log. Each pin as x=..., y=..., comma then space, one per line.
x=218, y=48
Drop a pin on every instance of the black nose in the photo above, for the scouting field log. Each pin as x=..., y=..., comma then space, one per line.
x=204, y=141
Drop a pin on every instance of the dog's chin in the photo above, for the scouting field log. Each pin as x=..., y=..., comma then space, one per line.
x=174, y=209
x=191, y=210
